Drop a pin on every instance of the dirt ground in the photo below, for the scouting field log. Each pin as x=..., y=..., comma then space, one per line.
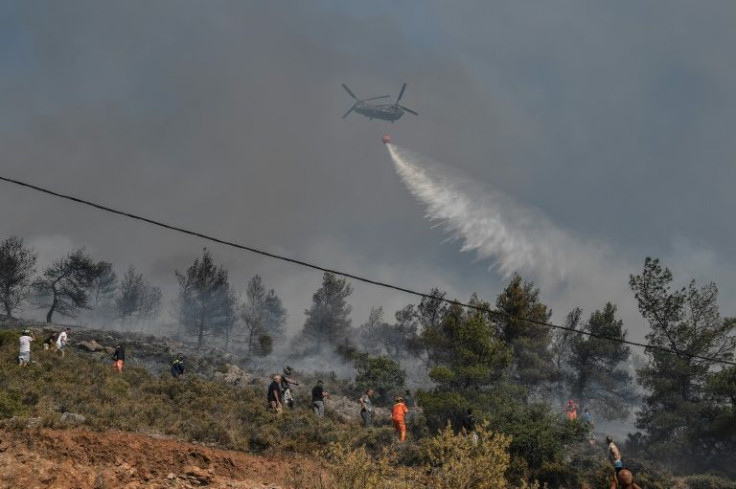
x=80, y=459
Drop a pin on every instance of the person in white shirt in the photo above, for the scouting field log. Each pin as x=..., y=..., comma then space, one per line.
x=24, y=357
x=62, y=340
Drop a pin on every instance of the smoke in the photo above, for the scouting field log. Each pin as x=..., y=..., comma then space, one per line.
x=572, y=272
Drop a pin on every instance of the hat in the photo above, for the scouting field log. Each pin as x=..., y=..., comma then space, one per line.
x=26, y=332
x=320, y=382
x=288, y=370
x=399, y=399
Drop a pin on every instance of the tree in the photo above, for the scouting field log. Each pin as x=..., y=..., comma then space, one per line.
x=137, y=299
x=381, y=373
x=428, y=315
x=677, y=407
x=468, y=361
x=206, y=305
x=521, y=310
x=328, y=320
x=263, y=316
x=65, y=286
x=104, y=287
x=598, y=367
x=16, y=269
x=378, y=336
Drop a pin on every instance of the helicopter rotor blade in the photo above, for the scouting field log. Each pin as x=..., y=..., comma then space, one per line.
x=408, y=110
x=401, y=93
x=349, y=111
x=350, y=92
x=375, y=98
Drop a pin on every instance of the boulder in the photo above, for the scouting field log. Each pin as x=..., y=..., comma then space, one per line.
x=90, y=346
x=72, y=418
x=234, y=376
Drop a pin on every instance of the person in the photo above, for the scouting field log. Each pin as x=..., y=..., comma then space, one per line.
x=24, y=354
x=615, y=454
x=286, y=383
x=318, y=399
x=50, y=342
x=177, y=366
x=398, y=416
x=62, y=340
x=366, y=408
x=626, y=479
x=468, y=423
x=274, y=394
x=118, y=358
x=572, y=410
x=587, y=417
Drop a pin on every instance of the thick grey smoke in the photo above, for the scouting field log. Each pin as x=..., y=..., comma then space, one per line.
x=515, y=238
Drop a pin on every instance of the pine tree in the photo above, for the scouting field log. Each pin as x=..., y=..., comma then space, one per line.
x=328, y=320
x=206, y=305
x=16, y=269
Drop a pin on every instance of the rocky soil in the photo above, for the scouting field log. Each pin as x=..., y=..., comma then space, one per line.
x=81, y=459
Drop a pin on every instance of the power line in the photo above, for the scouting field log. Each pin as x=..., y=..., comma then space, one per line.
x=357, y=277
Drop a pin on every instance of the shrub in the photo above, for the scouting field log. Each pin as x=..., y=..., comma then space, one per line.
x=464, y=461
x=708, y=481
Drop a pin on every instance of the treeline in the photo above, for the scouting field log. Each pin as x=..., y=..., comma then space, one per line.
x=205, y=306
x=502, y=361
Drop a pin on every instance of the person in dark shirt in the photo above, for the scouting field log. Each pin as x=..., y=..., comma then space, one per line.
x=177, y=367
x=118, y=358
x=274, y=394
x=318, y=399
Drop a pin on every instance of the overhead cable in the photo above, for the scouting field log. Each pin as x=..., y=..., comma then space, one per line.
x=358, y=277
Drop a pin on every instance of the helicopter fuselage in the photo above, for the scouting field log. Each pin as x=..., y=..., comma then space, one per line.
x=386, y=112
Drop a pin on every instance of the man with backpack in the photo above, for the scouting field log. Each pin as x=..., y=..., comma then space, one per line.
x=286, y=383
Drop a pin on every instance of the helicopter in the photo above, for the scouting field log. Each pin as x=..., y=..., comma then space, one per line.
x=386, y=112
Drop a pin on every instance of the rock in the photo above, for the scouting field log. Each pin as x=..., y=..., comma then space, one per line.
x=234, y=376
x=72, y=418
x=90, y=346
x=199, y=476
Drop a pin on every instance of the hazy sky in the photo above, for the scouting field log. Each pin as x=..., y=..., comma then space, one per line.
x=614, y=120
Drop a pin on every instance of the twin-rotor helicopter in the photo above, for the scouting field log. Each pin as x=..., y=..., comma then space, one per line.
x=387, y=112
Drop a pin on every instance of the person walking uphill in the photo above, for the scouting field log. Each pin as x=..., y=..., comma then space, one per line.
x=318, y=399
x=24, y=353
x=62, y=340
x=398, y=416
x=366, y=408
x=615, y=454
x=274, y=395
x=118, y=358
x=286, y=383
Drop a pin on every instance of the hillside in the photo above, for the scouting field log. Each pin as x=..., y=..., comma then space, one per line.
x=82, y=458
x=73, y=422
